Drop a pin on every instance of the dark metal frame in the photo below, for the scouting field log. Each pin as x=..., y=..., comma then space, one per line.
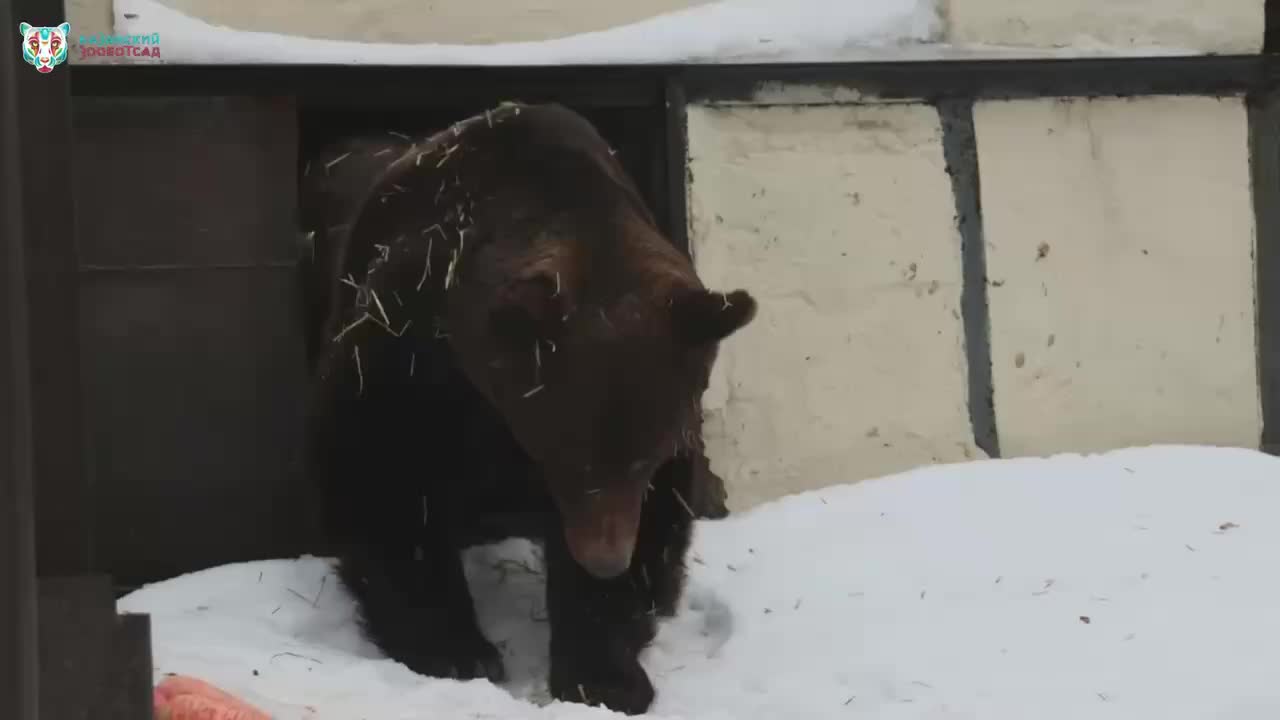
x=62, y=494
x=410, y=87
x=677, y=175
x=960, y=147
x=1264, y=157
x=19, y=680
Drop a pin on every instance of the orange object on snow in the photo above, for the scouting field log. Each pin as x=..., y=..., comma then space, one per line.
x=179, y=697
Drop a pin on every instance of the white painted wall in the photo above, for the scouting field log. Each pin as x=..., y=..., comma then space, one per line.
x=840, y=220
x=1120, y=243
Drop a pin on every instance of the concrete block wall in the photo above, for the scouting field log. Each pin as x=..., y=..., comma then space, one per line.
x=1120, y=244
x=1119, y=239
x=840, y=219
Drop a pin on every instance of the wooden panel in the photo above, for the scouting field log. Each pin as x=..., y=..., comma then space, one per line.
x=192, y=328
x=195, y=400
x=192, y=181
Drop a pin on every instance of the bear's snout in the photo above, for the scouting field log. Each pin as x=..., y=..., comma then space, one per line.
x=601, y=533
x=606, y=557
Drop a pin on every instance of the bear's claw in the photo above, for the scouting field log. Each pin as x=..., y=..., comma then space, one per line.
x=629, y=692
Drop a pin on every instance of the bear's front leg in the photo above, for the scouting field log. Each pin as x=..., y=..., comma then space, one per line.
x=594, y=653
x=666, y=531
x=599, y=627
x=417, y=608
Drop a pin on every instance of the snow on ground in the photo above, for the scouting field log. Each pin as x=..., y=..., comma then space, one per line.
x=729, y=31
x=1138, y=584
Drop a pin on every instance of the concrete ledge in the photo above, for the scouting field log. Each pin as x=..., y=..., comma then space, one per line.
x=1207, y=26
x=841, y=220
x=1120, y=240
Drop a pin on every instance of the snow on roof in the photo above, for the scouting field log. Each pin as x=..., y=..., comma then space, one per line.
x=729, y=31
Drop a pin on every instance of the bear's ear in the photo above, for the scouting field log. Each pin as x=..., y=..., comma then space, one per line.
x=527, y=309
x=701, y=316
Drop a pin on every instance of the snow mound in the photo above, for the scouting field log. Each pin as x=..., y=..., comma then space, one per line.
x=1135, y=584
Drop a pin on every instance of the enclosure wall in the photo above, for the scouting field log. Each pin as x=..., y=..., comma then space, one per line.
x=1116, y=300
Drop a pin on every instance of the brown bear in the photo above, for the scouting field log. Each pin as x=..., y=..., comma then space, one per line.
x=511, y=349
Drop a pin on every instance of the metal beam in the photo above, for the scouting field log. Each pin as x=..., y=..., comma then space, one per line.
x=19, y=676
x=406, y=87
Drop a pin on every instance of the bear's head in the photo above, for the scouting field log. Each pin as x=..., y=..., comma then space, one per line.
x=598, y=361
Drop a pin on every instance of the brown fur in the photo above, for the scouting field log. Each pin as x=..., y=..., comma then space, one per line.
x=552, y=389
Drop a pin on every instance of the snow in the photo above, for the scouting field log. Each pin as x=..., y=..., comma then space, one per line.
x=729, y=31
x=1135, y=584
x=720, y=32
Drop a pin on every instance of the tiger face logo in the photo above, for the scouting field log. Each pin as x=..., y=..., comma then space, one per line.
x=44, y=47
